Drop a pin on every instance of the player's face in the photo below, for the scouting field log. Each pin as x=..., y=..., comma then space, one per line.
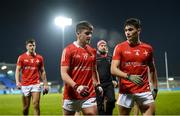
x=103, y=48
x=31, y=48
x=131, y=32
x=84, y=37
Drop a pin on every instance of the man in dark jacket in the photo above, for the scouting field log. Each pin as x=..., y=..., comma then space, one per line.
x=105, y=103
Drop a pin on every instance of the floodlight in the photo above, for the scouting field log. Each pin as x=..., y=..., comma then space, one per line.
x=4, y=67
x=171, y=79
x=10, y=72
x=63, y=21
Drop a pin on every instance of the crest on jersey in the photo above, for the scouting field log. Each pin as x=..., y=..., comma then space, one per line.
x=145, y=53
x=85, y=56
x=137, y=52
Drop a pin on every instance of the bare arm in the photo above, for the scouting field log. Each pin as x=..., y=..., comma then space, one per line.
x=44, y=79
x=17, y=76
x=96, y=81
x=43, y=76
x=81, y=89
x=116, y=71
x=95, y=76
x=153, y=76
x=65, y=76
x=153, y=79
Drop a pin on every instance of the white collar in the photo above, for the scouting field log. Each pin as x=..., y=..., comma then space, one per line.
x=76, y=44
x=30, y=54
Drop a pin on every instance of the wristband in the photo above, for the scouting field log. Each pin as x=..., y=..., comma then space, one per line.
x=128, y=75
x=76, y=86
x=156, y=90
x=98, y=85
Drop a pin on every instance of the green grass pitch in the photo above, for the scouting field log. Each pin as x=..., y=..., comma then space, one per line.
x=167, y=103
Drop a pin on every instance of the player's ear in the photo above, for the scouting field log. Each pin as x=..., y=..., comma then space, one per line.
x=139, y=30
x=27, y=46
x=77, y=33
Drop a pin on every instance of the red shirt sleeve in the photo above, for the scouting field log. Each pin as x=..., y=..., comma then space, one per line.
x=19, y=61
x=117, y=53
x=65, y=58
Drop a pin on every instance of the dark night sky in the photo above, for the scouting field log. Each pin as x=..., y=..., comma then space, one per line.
x=22, y=19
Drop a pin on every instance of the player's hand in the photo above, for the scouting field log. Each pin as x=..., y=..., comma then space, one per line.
x=45, y=90
x=18, y=85
x=99, y=89
x=154, y=93
x=135, y=79
x=82, y=90
x=115, y=84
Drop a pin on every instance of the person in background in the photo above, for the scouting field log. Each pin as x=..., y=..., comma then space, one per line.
x=31, y=66
x=133, y=64
x=79, y=73
x=105, y=103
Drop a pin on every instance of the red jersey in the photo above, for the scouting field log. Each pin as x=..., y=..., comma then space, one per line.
x=134, y=60
x=30, y=66
x=81, y=62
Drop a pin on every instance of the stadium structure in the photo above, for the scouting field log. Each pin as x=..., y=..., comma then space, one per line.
x=8, y=85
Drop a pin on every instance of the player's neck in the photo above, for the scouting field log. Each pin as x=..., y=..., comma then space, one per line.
x=31, y=53
x=134, y=41
x=80, y=44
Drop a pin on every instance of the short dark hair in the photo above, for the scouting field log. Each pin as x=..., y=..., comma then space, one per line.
x=83, y=25
x=133, y=21
x=30, y=41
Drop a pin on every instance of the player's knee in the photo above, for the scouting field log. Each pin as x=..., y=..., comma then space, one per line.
x=91, y=113
x=26, y=107
x=36, y=105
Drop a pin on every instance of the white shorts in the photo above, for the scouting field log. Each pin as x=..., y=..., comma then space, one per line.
x=77, y=105
x=127, y=100
x=26, y=90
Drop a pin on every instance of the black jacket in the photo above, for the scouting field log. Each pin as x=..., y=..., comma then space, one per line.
x=103, y=67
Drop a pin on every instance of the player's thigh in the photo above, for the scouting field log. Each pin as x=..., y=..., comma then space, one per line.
x=35, y=92
x=26, y=101
x=125, y=103
x=124, y=110
x=67, y=112
x=147, y=109
x=35, y=97
x=90, y=110
x=145, y=102
x=89, y=107
x=71, y=106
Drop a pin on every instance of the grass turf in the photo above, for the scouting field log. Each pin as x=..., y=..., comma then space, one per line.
x=167, y=103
